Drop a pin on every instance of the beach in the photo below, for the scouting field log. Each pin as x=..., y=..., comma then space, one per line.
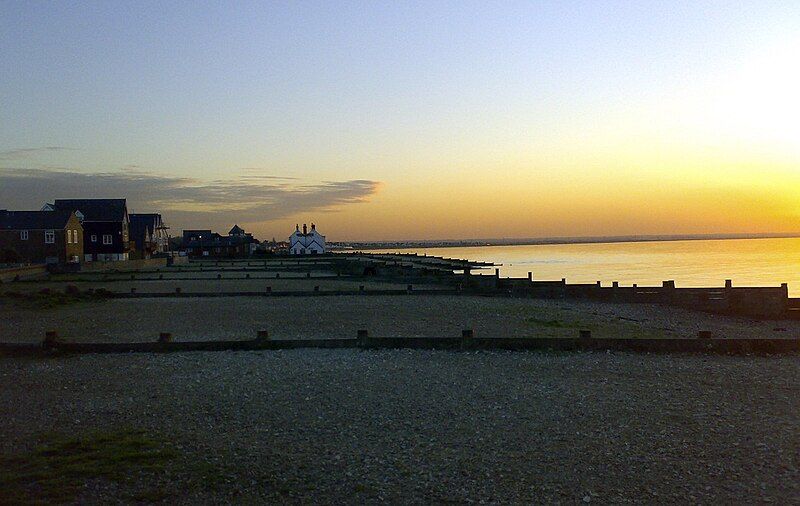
x=239, y=318
x=347, y=426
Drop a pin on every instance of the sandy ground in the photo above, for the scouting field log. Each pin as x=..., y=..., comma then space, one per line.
x=355, y=427
x=343, y=316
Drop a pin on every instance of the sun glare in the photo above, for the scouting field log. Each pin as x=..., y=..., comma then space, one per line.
x=760, y=101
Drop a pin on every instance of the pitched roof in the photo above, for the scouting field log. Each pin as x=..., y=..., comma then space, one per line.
x=33, y=220
x=95, y=209
x=141, y=222
x=236, y=230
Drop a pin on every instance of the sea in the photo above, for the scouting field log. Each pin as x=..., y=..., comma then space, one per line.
x=691, y=263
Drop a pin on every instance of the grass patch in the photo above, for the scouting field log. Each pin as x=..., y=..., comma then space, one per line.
x=56, y=470
x=48, y=299
x=547, y=323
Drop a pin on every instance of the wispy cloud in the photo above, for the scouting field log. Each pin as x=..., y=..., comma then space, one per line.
x=20, y=153
x=186, y=202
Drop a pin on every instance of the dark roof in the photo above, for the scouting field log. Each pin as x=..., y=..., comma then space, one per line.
x=33, y=220
x=236, y=230
x=194, y=233
x=95, y=209
x=214, y=240
x=142, y=222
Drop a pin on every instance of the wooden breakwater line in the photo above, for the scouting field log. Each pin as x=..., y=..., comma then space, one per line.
x=269, y=292
x=704, y=344
x=754, y=302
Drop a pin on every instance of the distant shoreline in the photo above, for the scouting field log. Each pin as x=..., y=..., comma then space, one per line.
x=473, y=243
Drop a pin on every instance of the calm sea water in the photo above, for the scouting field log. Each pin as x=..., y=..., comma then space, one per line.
x=748, y=262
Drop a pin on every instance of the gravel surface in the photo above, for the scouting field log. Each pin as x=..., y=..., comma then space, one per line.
x=348, y=426
x=343, y=316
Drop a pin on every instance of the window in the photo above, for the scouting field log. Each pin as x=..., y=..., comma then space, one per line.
x=23, y=235
x=49, y=236
x=69, y=236
x=106, y=238
x=94, y=238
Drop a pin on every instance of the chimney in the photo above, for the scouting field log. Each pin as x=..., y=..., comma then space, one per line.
x=305, y=231
x=297, y=228
x=313, y=227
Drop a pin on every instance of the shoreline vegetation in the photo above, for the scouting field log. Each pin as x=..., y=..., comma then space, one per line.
x=466, y=243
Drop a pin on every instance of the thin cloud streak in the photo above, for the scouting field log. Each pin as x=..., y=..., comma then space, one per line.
x=185, y=202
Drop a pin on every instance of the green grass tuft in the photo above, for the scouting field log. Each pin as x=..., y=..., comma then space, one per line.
x=56, y=470
x=46, y=299
x=547, y=323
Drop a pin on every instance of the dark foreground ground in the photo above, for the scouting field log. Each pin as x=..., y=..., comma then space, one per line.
x=347, y=426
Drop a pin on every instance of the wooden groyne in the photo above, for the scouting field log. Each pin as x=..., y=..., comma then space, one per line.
x=467, y=342
x=456, y=275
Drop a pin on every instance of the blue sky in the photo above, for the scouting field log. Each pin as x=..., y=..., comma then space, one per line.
x=409, y=95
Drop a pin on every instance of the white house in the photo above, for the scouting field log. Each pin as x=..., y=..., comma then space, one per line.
x=306, y=242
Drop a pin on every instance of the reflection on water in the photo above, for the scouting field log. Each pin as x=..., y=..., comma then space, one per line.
x=748, y=262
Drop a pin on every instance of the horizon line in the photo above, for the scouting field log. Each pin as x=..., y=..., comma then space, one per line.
x=535, y=241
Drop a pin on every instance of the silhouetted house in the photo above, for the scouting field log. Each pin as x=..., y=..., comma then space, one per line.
x=306, y=242
x=105, y=224
x=197, y=243
x=40, y=237
x=273, y=246
x=205, y=243
x=148, y=234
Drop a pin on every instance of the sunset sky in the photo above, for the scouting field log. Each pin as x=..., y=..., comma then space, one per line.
x=409, y=120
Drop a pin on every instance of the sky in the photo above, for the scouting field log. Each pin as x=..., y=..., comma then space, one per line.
x=409, y=120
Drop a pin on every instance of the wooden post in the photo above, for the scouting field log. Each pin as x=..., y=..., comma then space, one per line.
x=668, y=290
x=466, y=338
x=363, y=337
x=50, y=339
x=164, y=337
